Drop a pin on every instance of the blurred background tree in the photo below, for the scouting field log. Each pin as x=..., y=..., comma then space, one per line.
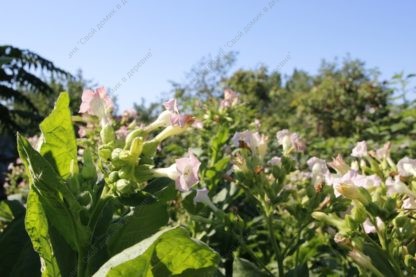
x=18, y=76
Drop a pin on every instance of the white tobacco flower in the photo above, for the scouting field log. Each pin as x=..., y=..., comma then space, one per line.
x=202, y=197
x=275, y=161
x=290, y=141
x=409, y=203
x=318, y=168
x=397, y=186
x=360, y=150
x=254, y=141
x=370, y=228
x=407, y=167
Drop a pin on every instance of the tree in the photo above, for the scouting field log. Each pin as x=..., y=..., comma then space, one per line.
x=17, y=75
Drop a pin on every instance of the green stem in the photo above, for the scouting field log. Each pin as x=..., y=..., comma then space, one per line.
x=279, y=261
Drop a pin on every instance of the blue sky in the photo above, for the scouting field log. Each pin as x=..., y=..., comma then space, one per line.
x=140, y=45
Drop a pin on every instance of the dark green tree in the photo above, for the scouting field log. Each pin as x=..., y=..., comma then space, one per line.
x=19, y=71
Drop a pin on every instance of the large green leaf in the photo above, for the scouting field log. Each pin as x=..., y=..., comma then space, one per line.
x=59, y=144
x=170, y=252
x=37, y=228
x=145, y=221
x=17, y=257
x=59, y=204
x=245, y=268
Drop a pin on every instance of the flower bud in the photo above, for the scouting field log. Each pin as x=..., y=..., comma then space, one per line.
x=169, y=132
x=364, y=261
x=107, y=134
x=353, y=192
x=331, y=219
x=88, y=170
x=113, y=177
x=104, y=152
x=136, y=148
x=125, y=186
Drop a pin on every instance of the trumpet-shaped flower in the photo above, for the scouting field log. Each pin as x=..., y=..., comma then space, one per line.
x=96, y=103
x=352, y=178
x=370, y=228
x=407, y=167
x=409, y=203
x=275, y=161
x=339, y=165
x=383, y=152
x=184, y=172
x=360, y=150
x=202, y=197
x=318, y=168
x=397, y=186
x=290, y=141
x=170, y=117
x=254, y=141
x=230, y=99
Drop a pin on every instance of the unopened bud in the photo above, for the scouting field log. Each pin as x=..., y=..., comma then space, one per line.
x=107, y=134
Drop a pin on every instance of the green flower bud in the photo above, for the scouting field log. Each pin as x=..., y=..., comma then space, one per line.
x=104, y=153
x=125, y=186
x=124, y=173
x=107, y=134
x=113, y=177
x=88, y=170
x=400, y=221
x=354, y=192
x=125, y=156
x=358, y=212
x=136, y=148
x=331, y=219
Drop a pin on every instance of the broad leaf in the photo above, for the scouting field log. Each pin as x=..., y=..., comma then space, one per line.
x=145, y=221
x=245, y=268
x=59, y=204
x=59, y=144
x=17, y=257
x=166, y=253
x=37, y=228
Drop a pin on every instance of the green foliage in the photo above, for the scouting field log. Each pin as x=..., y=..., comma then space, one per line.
x=166, y=253
x=17, y=69
x=17, y=257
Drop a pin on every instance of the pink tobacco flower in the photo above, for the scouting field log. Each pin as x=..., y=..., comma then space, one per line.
x=184, y=172
x=290, y=141
x=96, y=103
x=188, y=172
x=275, y=161
x=230, y=99
x=254, y=141
x=360, y=150
x=339, y=165
x=122, y=132
x=383, y=152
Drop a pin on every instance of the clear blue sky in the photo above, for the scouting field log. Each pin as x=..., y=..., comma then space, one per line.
x=107, y=39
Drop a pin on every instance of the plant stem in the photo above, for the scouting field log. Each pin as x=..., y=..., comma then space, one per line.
x=279, y=261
